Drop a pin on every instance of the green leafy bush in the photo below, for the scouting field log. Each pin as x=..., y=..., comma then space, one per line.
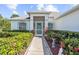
x=71, y=40
x=14, y=43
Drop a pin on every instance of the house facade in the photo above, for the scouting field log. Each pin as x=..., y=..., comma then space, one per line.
x=41, y=21
x=68, y=21
x=38, y=22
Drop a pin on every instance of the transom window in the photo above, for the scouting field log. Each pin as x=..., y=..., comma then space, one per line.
x=22, y=26
x=50, y=26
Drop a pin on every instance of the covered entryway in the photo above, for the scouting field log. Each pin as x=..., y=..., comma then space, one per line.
x=39, y=24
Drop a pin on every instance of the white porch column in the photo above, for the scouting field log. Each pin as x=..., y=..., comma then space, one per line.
x=46, y=22
x=31, y=24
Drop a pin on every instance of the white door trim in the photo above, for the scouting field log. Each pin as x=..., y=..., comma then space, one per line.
x=36, y=34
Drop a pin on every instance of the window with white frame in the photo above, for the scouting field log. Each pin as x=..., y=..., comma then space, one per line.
x=22, y=26
x=50, y=26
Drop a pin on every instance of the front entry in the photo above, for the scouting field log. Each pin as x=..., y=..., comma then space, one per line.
x=38, y=28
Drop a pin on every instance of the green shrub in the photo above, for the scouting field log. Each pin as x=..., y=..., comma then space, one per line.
x=15, y=43
x=15, y=30
x=71, y=39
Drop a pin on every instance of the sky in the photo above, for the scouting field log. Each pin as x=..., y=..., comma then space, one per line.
x=6, y=10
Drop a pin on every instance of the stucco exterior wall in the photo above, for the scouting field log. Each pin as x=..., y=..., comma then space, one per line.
x=15, y=25
x=69, y=22
x=29, y=23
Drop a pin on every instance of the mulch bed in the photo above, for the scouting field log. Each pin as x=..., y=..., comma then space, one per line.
x=53, y=50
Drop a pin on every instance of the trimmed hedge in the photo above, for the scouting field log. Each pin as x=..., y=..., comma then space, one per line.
x=63, y=34
x=16, y=31
x=32, y=31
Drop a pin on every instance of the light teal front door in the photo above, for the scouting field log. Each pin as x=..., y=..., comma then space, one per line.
x=38, y=28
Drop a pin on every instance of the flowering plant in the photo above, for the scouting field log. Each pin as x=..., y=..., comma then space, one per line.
x=76, y=49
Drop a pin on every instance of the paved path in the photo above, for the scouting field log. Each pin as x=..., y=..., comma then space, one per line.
x=38, y=46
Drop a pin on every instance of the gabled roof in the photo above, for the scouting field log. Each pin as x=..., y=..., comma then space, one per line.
x=50, y=13
x=69, y=11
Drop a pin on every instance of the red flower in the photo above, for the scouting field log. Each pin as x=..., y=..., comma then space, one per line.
x=76, y=49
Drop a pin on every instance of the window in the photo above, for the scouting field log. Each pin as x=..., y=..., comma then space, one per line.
x=22, y=26
x=50, y=26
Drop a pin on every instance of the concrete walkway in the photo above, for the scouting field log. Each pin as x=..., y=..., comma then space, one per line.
x=38, y=46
